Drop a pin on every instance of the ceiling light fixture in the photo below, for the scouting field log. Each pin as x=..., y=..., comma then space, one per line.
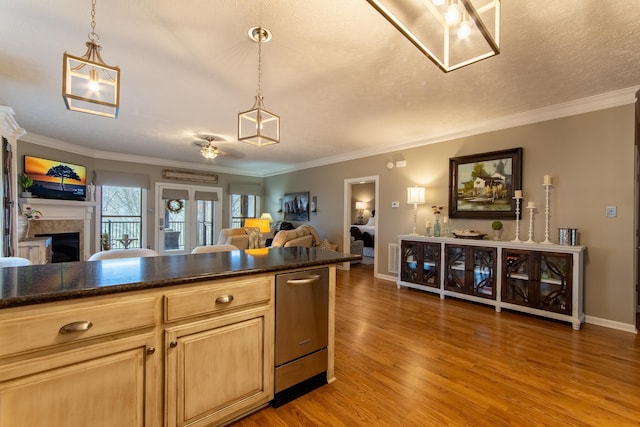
x=451, y=34
x=259, y=126
x=88, y=84
x=207, y=149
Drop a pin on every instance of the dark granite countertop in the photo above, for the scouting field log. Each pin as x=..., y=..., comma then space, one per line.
x=20, y=286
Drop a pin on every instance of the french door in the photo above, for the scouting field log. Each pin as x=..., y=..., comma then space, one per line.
x=186, y=216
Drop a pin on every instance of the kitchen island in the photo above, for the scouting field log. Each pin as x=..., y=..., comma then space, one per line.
x=172, y=340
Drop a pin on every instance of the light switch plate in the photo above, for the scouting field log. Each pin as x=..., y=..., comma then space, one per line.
x=395, y=204
x=611, y=212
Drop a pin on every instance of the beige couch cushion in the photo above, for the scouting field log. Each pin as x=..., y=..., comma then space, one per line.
x=305, y=235
x=234, y=236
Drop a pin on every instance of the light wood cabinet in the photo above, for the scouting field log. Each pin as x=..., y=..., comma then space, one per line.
x=37, y=250
x=541, y=279
x=79, y=369
x=219, y=367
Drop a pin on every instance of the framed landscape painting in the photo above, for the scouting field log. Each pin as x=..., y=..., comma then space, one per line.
x=482, y=185
x=296, y=206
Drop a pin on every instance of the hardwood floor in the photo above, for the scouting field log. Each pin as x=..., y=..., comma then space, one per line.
x=407, y=358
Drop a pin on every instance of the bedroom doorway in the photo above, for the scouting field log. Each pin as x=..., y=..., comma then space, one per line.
x=364, y=191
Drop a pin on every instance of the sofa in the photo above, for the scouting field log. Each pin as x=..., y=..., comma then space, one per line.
x=305, y=235
x=241, y=238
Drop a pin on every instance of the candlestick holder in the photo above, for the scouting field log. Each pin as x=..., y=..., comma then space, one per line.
x=517, y=239
x=547, y=211
x=531, y=210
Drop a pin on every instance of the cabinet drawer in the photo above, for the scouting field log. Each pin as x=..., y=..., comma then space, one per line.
x=217, y=297
x=37, y=328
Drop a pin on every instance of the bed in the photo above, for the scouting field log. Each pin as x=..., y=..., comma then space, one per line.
x=366, y=233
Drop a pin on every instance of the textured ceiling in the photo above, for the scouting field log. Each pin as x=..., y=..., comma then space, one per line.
x=341, y=77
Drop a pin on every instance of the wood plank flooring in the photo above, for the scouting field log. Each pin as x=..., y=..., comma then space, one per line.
x=407, y=358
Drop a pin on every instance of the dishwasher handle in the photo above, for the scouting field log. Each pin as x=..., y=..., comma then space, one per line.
x=304, y=281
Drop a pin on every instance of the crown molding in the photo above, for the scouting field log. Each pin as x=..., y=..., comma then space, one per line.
x=109, y=155
x=572, y=108
x=580, y=106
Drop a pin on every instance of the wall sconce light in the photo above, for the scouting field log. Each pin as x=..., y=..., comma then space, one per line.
x=416, y=196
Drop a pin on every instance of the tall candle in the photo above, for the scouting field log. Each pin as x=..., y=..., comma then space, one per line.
x=445, y=219
x=518, y=194
x=531, y=205
x=547, y=179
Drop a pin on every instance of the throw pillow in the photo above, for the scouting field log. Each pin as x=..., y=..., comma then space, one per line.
x=327, y=245
x=255, y=236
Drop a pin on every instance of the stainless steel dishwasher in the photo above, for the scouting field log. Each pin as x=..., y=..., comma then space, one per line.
x=302, y=333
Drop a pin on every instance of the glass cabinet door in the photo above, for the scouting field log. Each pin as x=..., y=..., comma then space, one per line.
x=484, y=264
x=456, y=268
x=555, y=280
x=515, y=284
x=430, y=255
x=409, y=261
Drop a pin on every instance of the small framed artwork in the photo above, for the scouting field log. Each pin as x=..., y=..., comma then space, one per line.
x=482, y=185
x=296, y=206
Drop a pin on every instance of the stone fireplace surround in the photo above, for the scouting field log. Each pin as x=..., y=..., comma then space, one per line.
x=63, y=216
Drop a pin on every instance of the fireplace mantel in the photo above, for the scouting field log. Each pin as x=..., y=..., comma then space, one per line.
x=62, y=210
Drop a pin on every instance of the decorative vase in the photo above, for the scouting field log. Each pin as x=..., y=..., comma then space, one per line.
x=497, y=234
x=436, y=228
x=23, y=228
x=25, y=194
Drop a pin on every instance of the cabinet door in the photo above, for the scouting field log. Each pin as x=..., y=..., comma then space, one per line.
x=555, y=282
x=218, y=369
x=456, y=261
x=483, y=271
x=516, y=282
x=471, y=269
x=101, y=385
x=430, y=262
x=410, y=269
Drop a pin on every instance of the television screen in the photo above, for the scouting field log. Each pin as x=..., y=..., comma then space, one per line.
x=56, y=180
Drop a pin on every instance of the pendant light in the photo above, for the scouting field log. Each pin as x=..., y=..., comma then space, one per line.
x=259, y=126
x=88, y=84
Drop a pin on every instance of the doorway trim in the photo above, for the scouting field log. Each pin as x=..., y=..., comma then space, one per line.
x=346, y=243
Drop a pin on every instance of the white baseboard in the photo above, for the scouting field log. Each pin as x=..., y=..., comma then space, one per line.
x=387, y=277
x=626, y=327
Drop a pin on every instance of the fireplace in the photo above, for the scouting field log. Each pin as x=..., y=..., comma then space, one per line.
x=62, y=217
x=65, y=247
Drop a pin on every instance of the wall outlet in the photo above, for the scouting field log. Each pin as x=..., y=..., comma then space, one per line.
x=611, y=211
x=395, y=204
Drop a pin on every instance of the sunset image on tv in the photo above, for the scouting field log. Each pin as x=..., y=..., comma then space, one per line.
x=56, y=180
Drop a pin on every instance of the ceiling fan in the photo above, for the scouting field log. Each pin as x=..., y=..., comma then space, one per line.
x=207, y=149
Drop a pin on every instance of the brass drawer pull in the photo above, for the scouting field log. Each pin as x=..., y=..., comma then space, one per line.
x=83, y=325
x=224, y=299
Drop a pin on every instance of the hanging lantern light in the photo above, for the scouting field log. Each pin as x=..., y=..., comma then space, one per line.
x=88, y=84
x=259, y=126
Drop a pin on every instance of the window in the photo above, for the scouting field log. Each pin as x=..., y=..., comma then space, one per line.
x=122, y=221
x=243, y=206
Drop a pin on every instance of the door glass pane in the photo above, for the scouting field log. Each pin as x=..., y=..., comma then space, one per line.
x=174, y=220
x=205, y=222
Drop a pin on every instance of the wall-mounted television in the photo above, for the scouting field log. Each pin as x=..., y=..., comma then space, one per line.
x=56, y=180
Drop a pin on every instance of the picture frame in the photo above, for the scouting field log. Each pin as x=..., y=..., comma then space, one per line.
x=482, y=186
x=296, y=206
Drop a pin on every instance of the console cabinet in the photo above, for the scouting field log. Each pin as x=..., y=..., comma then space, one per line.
x=540, y=279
